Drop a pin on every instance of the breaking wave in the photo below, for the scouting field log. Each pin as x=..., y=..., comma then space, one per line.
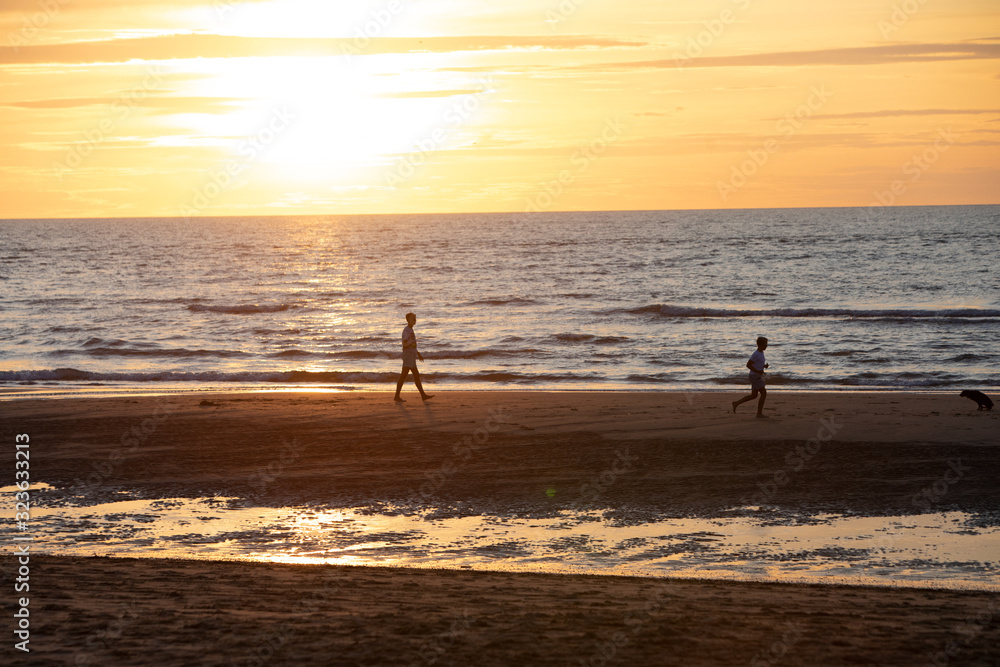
x=667, y=310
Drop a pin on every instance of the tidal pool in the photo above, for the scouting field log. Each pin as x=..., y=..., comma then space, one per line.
x=943, y=550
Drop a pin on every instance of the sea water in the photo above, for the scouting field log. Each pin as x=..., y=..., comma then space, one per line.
x=907, y=298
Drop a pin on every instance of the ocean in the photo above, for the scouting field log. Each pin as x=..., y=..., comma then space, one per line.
x=885, y=298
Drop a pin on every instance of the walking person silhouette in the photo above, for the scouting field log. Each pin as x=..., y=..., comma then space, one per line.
x=410, y=356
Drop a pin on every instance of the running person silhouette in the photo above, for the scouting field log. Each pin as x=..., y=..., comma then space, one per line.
x=756, y=365
x=410, y=356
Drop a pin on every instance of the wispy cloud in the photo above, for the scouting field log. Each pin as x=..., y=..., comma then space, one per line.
x=432, y=93
x=162, y=104
x=183, y=46
x=892, y=54
x=895, y=113
x=79, y=6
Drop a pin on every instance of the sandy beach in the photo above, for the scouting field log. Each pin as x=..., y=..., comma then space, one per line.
x=532, y=451
x=100, y=611
x=523, y=453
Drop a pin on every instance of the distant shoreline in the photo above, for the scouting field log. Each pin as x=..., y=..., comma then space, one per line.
x=93, y=391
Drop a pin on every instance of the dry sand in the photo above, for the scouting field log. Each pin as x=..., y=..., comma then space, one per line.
x=106, y=611
x=529, y=453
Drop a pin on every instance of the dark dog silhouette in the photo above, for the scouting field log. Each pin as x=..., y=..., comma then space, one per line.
x=979, y=397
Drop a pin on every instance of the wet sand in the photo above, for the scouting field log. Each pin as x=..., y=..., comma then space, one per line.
x=524, y=453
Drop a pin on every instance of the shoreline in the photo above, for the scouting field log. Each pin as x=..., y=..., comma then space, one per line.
x=101, y=391
x=985, y=589
x=362, y=431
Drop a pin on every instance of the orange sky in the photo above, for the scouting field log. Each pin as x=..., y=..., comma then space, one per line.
x=229, y=107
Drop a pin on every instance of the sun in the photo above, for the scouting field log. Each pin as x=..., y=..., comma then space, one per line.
x=319, y=118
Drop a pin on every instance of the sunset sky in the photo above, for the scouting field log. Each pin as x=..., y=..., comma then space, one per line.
x=190, y=108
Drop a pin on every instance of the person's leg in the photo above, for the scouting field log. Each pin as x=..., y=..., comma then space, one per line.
x=760, y=403
x=420, y=387
x=748, y=397
x=402, y=379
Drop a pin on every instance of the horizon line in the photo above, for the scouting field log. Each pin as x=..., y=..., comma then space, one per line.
x=520, y=212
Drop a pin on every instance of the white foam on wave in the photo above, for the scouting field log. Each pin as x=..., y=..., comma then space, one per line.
x=668, y=310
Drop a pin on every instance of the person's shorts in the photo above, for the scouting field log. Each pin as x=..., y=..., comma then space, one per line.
x=756, y=381
x=409, y=359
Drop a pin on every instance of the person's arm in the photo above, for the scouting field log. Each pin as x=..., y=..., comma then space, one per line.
x=413, y=344
x=750, y=366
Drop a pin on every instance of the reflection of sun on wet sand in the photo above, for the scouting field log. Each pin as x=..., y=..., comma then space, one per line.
x=514, y=453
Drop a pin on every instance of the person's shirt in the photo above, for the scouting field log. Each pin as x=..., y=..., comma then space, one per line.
x=409, y=338
x=757, y=361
